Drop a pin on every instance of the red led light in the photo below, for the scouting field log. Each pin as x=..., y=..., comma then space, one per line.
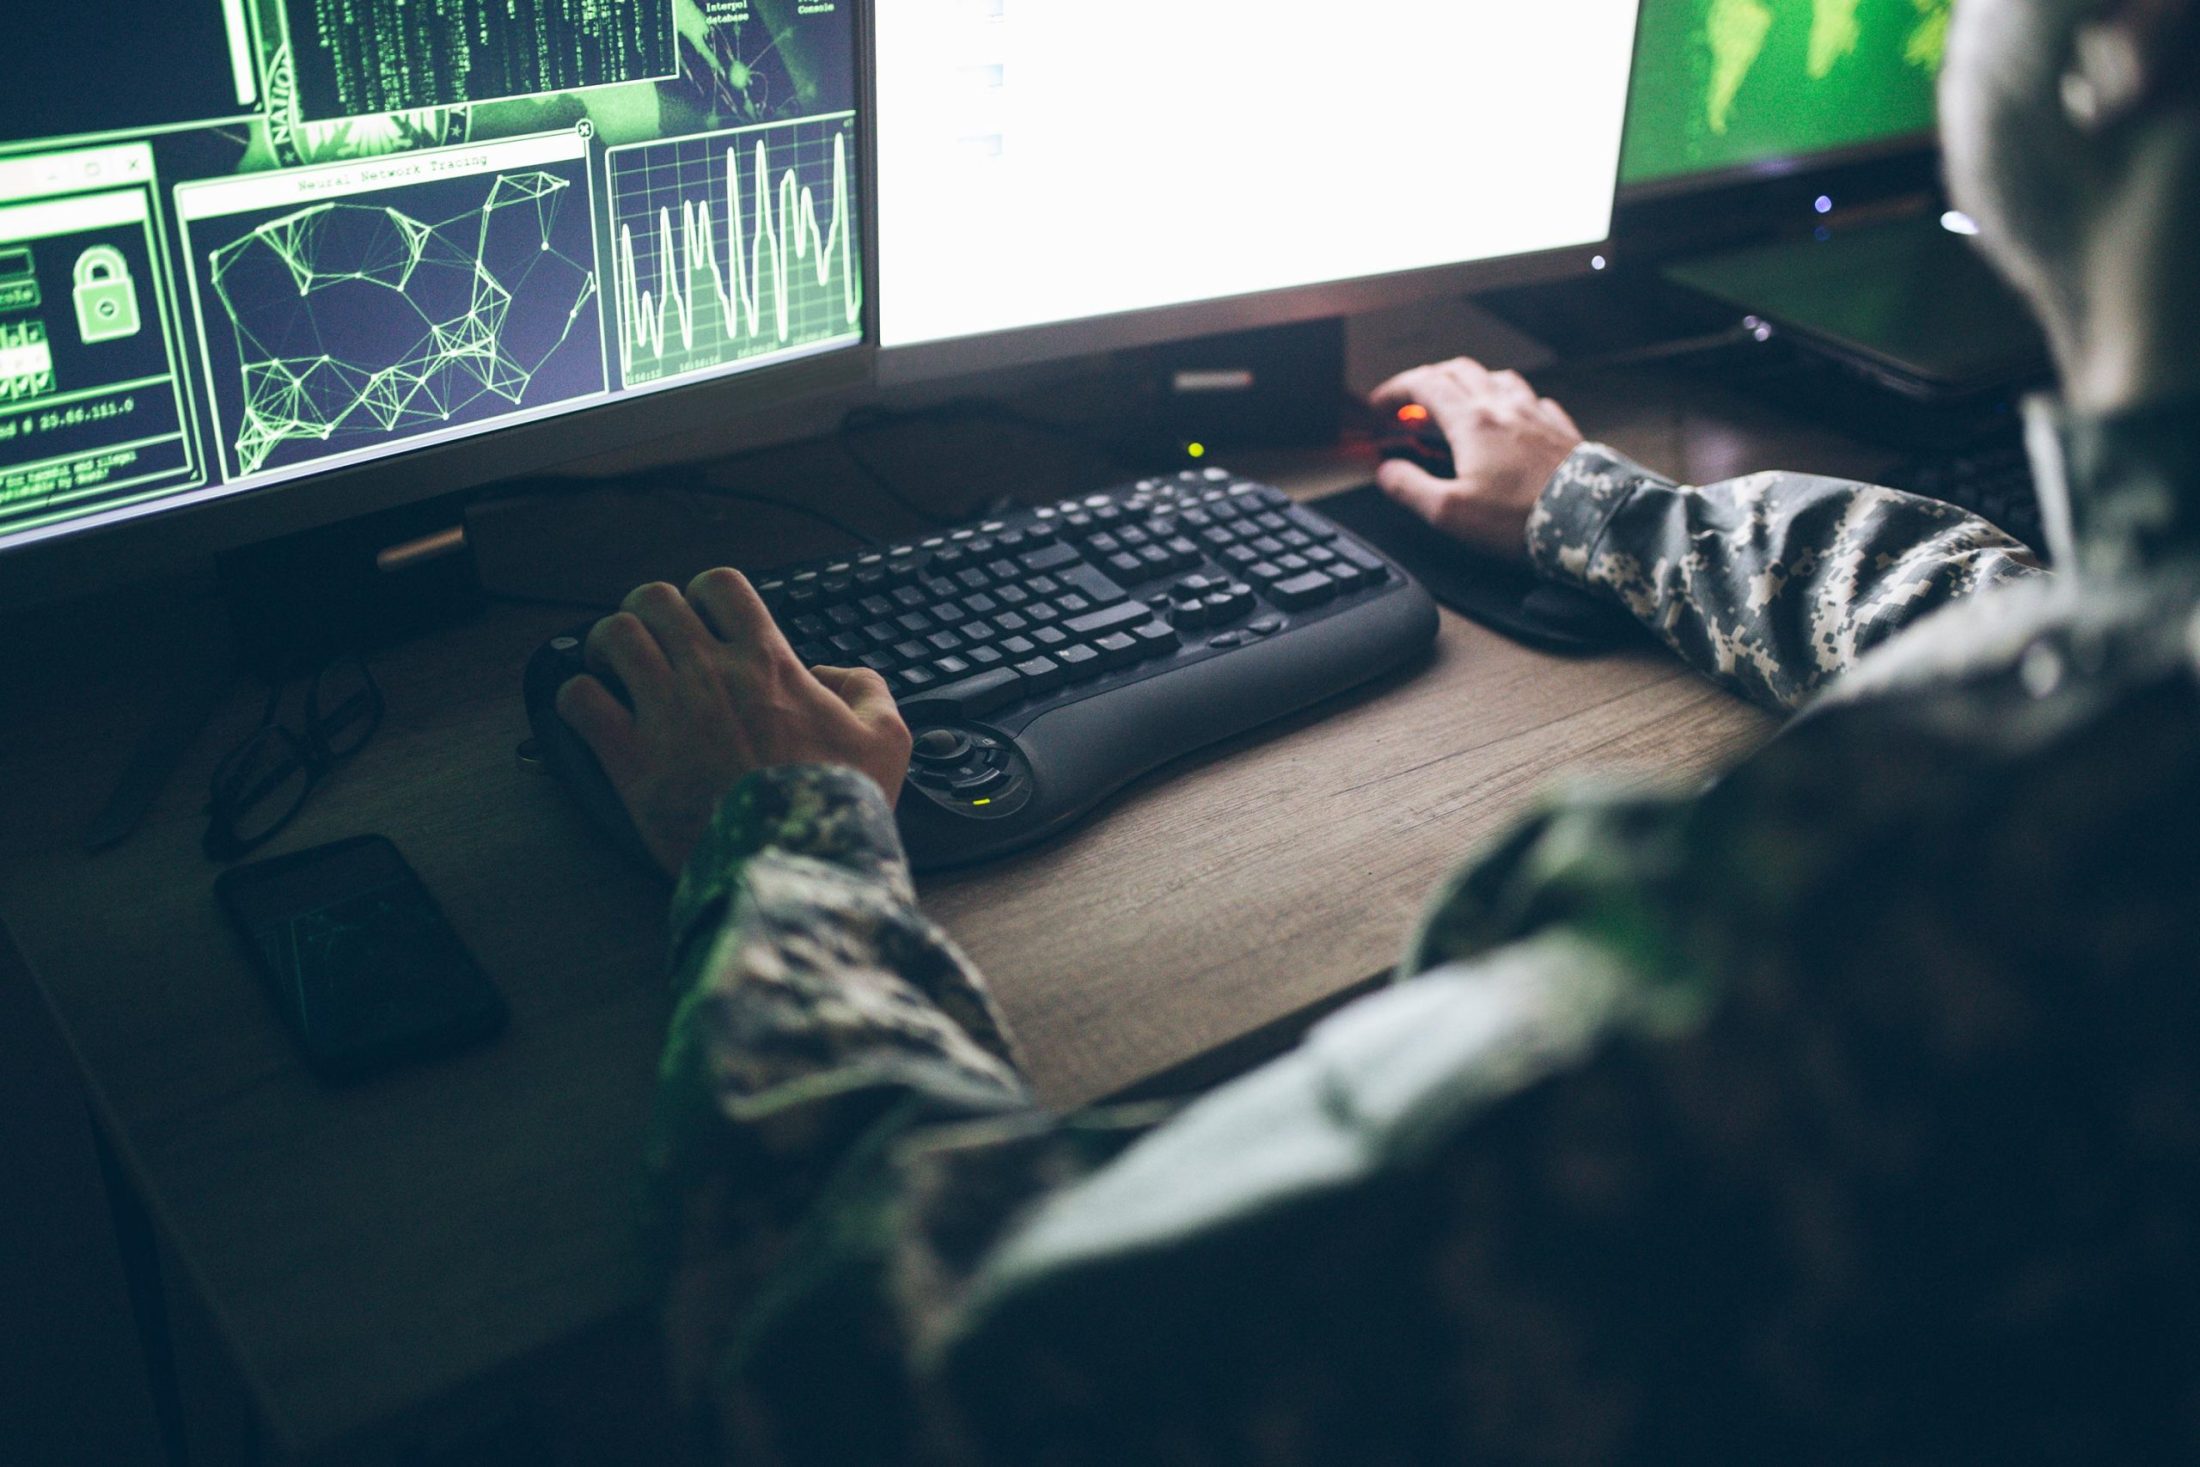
x=1413, y=412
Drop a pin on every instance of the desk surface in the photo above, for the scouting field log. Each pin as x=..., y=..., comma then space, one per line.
x=369, y=1251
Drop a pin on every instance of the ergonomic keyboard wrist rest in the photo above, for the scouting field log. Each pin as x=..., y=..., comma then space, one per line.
x=1047, y=658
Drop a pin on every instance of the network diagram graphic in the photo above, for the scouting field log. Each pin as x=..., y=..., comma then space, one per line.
x=733, y=245
x=387, y=323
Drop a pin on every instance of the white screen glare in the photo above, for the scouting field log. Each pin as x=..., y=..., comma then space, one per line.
x=1043, y=161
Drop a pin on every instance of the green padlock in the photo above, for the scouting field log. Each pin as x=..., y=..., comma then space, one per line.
x=106, y=297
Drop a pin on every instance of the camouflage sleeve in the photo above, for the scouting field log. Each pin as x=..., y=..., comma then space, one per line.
x=883, y=1252
x=818, y=1016
x=1775, y=584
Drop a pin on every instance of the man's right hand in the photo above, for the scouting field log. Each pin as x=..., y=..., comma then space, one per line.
x=1505, y=444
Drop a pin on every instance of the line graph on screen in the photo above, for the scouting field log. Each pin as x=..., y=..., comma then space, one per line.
x=733, y=246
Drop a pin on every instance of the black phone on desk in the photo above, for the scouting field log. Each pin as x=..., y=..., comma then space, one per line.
x=358, y=958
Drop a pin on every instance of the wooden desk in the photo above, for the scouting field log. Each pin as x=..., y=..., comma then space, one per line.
x=396, y=1263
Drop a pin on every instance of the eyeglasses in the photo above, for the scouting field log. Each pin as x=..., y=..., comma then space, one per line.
x=260, y=786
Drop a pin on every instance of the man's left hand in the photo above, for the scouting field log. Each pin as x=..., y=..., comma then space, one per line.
x=717, y=695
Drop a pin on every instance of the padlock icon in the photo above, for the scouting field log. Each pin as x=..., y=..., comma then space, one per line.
x=106, y=297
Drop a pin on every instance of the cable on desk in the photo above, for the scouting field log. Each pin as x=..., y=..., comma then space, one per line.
x=679, y=481
x=739, y=496
x=856, y=420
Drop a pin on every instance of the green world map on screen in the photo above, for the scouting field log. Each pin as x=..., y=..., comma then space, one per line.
x=1721, y=84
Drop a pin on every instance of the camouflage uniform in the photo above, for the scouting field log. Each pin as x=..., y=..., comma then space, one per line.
x=1845, y=1112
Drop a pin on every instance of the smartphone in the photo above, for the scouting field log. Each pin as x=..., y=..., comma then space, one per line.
x=358, y=959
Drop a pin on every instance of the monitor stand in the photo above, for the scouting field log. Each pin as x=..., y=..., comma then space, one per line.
x=353, y=587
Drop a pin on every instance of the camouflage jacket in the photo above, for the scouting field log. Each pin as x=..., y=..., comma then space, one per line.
x=1845, y=1112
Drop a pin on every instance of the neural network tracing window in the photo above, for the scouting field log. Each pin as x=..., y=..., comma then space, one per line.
x=250, y=240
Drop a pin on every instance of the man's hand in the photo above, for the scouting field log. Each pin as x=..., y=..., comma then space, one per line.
x=1505, y=444
x=718, y=694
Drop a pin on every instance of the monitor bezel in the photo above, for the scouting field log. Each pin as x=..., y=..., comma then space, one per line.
x=1774, y=169
x=919, y=365
x=1732, y=206
x=160, y=539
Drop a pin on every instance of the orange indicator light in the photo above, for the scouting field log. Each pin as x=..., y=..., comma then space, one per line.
x=1413, y=412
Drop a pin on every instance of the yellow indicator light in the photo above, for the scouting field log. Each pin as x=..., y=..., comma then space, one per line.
x=1196, y=450
x=981, y=802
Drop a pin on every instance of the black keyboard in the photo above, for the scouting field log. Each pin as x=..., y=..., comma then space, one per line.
x=1046, y=658
x=1992, y=479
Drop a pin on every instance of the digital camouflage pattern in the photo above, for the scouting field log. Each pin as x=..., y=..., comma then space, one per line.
x=1844, y=1113
x=1773, y=584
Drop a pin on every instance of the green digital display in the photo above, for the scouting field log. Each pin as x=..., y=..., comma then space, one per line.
x=244, y=241
x=1722, y=85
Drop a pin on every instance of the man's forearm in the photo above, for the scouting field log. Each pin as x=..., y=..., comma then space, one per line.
x=1775, y=584
x=820, y=1016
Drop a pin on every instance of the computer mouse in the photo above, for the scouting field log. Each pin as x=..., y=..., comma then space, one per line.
x=1411, y=434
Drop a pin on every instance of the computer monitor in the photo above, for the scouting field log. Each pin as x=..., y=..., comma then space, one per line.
x=1061, y=177
x=266, y=264
x=1729, y=91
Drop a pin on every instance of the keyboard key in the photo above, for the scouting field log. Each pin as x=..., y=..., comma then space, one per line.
x=1050, y=636
x=1051, y=558
x=1155, y=637
x=917, y=679
x=974, y=784
x=945, y=641
x=1118, y=648
x=1300, y=591
x=970, y=697
x=912, y=651
x=915, y=621
x=1109, y=619
x=1019, y=646
x=984, y=657
x=1041, y=673
x=1080, y=662
x=950, y=667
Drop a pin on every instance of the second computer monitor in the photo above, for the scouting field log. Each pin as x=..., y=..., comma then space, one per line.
x=1059, y=176
x=1728, y=89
